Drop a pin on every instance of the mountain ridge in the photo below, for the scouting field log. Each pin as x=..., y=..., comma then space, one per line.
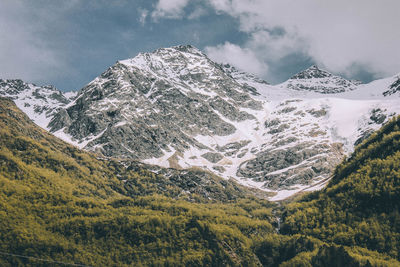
x=175, y=107
x=39, y=102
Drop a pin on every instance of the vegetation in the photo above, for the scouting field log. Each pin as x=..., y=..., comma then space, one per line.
x=60, y=204
x=360, y=208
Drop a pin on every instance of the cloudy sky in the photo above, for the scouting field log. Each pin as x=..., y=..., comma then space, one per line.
x=67, y=43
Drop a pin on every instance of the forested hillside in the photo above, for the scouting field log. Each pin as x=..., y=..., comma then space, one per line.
x=61, y=204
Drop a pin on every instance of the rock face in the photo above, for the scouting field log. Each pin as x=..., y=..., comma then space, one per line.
x=40, y=103
x=176, y=108
x=394, y=88
x=156, y=104
x=192, y=181
x=317, y=80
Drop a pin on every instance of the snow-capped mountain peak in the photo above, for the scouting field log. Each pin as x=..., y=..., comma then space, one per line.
x=319, y=81
x=312, y=72
x=171, y=59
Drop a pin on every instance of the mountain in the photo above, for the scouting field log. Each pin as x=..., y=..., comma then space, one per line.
x=394, y=87
x=64, y=206
x=176, y=108
x=161, y=100
x=316, y=80
x=387, y=88
x=40, y=103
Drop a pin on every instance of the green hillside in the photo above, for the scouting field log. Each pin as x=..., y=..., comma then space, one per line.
x=61, y=204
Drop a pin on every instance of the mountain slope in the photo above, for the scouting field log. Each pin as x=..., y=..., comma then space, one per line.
x=174, y=107
x=190, y=183
x=62, y=204
x=360, y=206
x=386, y=88
x=394, y=87
x=354, y=221
x=40, y=103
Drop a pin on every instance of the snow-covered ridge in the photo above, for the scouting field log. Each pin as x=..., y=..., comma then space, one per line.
x=40, y=103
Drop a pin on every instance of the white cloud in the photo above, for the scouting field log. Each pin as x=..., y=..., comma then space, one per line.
x=143, y=16
x=337, y=34
x=273, y=47
x=197, y=13
x=242, y=58
x=169, y=9
x=260, y=52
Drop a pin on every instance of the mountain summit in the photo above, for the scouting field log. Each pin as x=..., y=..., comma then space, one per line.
x=312, y=72
x=316, y=80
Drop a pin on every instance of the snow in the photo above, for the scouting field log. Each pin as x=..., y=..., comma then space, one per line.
x=253, y=184
x=90, y=138
x=71, y=95
x=66, y=137
x=372, y=90
x=37, y=102
x=121, y=123
x=162, y=161
x=283, y=194
x=342, y=123
x=80, y=144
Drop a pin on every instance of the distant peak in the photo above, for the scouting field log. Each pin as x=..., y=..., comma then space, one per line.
x=313, y=67
x=11, y=81
x=163, y=52
x=185, y=47
x=181, y=48
x=312, y=72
